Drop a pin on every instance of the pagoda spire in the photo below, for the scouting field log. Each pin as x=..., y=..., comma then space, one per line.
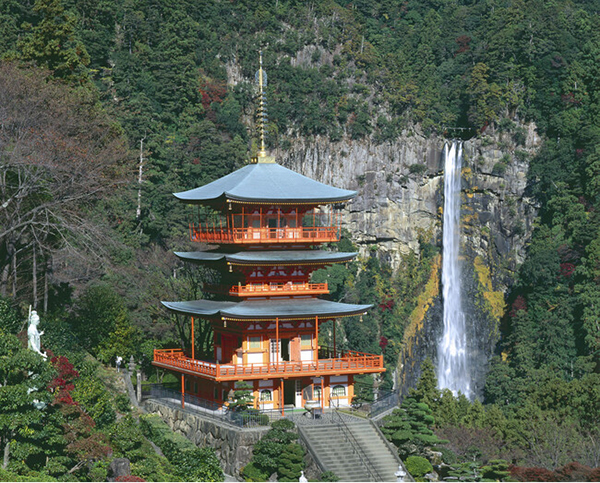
x=262, y=117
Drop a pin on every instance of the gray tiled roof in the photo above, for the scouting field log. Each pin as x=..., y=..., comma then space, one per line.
x=269, y=256
x=267, y=308
x=266, y=182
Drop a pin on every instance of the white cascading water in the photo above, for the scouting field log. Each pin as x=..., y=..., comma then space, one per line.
x=453, y=370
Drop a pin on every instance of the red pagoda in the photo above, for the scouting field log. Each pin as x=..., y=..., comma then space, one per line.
x=269, y=225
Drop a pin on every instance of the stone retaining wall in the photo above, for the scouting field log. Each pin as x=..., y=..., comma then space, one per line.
x=232, y=445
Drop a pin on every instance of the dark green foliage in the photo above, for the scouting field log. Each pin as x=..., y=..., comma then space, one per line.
x=27, y=433
x=189, y=462
x=9, y=318
x=409, y=428
x=52, y=42
x=417, y=169
x=128, y=441
x=328, y=476
x=242, y=398
x=495, y=470
x=276, y=452
x=418, y=466
x=426, y=390
x=91, y=393
x=290, y=462
x=102, y=309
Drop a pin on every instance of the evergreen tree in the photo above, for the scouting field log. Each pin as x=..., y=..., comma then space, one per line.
x=409, y=428
x=53, y=43
x=29, y=427
x=426, y=390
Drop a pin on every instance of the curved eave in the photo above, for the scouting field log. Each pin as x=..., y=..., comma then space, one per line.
x=267, y=309
x=289, y=201
x=202, y=308
x=199, y=257
x=281, y=257
x=265, y=183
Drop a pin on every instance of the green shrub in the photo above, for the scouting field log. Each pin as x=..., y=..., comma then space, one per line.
x=417, y=169
x=329, y=476
x=189, y=462
x=418, y=466
x=499, y=168
x=31, y=476
x=277, y=451
x=448, y=456
x=126, y=439
x=123, y=403
x=290, y=462
x=251, y=473
x=283, y=425
x=198, y=464
x=91, y=393
x=99, y=471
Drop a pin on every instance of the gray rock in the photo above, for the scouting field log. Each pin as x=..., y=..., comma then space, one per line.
x=118, y=467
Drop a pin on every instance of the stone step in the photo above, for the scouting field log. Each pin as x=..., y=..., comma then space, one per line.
x=338, y=454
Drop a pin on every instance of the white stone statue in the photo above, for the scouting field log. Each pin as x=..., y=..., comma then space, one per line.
x=34, y=335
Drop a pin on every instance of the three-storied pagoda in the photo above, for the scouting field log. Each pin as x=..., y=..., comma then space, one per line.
x=266, y=322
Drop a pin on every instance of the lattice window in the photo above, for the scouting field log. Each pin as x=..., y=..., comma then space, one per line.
x=338, y=391
x=254, y=342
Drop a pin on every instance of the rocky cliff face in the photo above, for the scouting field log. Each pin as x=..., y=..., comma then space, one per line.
x=400, y=194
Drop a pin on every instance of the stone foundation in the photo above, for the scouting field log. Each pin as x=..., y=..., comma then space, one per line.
x=233, y=446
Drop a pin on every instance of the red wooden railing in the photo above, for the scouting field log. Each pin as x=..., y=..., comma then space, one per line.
x=351, y=362
x=207, y=233
x=266, y=289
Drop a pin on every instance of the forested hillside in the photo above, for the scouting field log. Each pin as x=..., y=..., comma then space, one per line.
x=107, y=107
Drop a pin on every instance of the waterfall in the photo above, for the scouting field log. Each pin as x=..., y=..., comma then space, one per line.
x=453, y=368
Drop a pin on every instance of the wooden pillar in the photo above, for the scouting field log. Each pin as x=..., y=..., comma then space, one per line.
x=193, y=341
x=322, y=392
x=277, y=343
x=281, y=397
x=278, y=217
x=317, y=340
x=182, y=391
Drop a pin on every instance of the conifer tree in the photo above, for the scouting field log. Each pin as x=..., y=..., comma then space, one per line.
x=52, y=43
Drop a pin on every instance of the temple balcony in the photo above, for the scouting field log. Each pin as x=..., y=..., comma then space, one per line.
x=207, y=233
x=347, y=362
x=267, y=225
x=275, y=289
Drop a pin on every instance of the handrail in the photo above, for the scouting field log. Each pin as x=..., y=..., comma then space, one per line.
x=351, y=361
x=384, y=403
x=207, y=233
x=266, y=288
x=366, y=462
x=204, y=408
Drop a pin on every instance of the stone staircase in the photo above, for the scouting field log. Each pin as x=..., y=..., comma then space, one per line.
x=353, y=448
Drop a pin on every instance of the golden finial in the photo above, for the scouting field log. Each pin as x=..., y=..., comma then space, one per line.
x=261, y=79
